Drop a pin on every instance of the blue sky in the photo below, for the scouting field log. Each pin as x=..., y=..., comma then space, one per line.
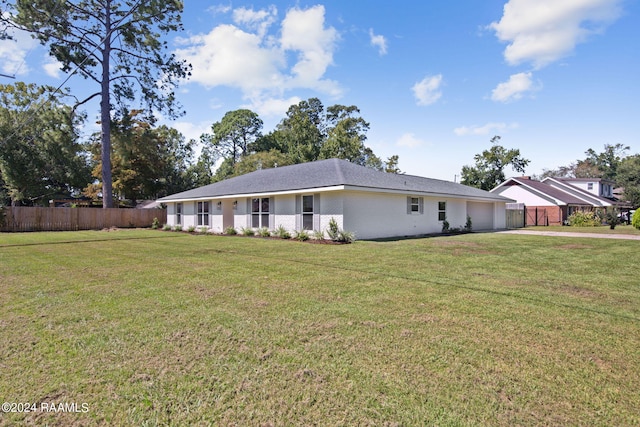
x=436, y=80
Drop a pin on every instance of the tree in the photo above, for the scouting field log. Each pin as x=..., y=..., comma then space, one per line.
x=595, y=165
x=608, y=161
x=301, y=134
x=147, y=162
x=628, y=176
x=391, y=165
x=346, y=135
x=233, y=135
x=40, y=156
x=490, y=165
x=115, y=44
x=261, y=160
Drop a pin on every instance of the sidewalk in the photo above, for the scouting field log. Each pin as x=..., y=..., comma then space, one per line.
x=570, y=234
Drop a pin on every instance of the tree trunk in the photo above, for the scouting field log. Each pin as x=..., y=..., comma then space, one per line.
x=105, y=114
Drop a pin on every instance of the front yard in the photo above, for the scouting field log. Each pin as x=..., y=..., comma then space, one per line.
x=144, y=327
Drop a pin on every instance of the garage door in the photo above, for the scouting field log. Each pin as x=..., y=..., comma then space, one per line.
x=481, y=215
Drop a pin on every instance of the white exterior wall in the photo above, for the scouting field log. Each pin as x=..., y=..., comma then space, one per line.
x=374, y=215
x=285, y=212
x=483, y=216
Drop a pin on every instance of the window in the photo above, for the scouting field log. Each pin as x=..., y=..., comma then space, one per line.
x=415, y=204
x=307, y=212
x=442, y=211
x=203, y=213
x=589, y=185
x=260, y=212
x=178, y=213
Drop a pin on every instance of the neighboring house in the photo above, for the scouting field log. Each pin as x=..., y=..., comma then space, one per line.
x=553, y=200
x=307, y=196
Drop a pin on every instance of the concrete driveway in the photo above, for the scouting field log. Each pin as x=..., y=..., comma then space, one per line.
x=570, y=234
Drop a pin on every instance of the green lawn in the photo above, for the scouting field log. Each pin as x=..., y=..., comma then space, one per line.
x=604, y=229
x=158, y=328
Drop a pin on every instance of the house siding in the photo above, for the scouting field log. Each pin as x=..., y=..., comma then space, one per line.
x=375, y=215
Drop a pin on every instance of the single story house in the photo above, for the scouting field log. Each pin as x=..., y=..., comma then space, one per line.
x=552, y=200
x=307, y=196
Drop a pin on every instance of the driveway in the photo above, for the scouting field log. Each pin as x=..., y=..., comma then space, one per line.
x=570, y=234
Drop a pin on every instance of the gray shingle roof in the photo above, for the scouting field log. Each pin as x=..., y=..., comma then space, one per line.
x=329, y=173
x=547, y=189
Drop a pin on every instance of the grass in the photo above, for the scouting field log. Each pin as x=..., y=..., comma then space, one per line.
x=155, y=328
x=604, y=229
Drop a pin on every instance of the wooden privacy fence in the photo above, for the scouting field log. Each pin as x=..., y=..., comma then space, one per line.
x=21, y=218
x=515, y=215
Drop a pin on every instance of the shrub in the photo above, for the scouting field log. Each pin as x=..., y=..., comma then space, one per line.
x=302, y=235
x=264, y=232
x=203, y=229
x=468, y=226
x=445, y=226
x=612, y=219
x=318, y=234
x=346, y=236
x=583, y=219
x=282, y=232
x=166, y=227
x=155, y=224
x=177, y=227
x=333, y=229
x=230, y=231
x=191, y=228
x=635, y=219
x=338, y=235
x=247, y=231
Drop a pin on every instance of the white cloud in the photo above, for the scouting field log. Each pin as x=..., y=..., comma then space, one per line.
x=303, y=31
x=427, y=91
x=487, y=129
x=52, y=67
x=514, y=88
x=13, y=53
x=247, y=57
x=273, y=107
x=378, y=41
x=192, y=130
x=543, y=31
x=259, y=21
x=409, y=140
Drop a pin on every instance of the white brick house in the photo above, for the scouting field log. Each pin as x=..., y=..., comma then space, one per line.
x=370, y=203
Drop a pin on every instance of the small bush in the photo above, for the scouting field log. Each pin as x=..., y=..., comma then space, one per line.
x=333, y=229
x=338, y=235
x=302, y=235
x=445, y=226
x=318, y=234
x=203, y=229
x=282, y=232
x=247, y=231
x=155, y=224
x=612, y=219
x=166, y=227
x=191, y=229
x=468, y=226
x=264, y=232
x=584, y=219
x=230, y=231
x=177, y=227
x=346, y=236
x=635, y=219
